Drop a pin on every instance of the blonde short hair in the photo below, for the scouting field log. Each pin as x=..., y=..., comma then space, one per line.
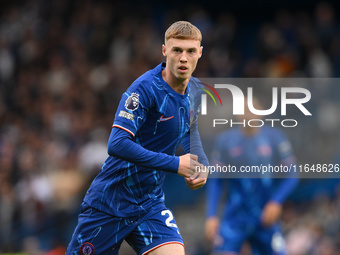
x=183, y=30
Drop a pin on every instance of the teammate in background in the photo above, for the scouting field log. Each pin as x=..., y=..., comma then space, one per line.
x=254, y=204
x=125, y=200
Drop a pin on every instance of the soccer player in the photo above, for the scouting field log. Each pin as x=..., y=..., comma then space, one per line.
x=253, y=205
x=155, y=115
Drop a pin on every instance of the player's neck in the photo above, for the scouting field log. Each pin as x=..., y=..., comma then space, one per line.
x=177, y=85
x=250, y=131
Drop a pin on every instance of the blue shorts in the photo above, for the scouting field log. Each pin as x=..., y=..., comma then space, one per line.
x=101, y=233
x=263, y=241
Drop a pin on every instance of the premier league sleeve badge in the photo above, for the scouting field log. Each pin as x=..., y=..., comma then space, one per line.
x=132, y=102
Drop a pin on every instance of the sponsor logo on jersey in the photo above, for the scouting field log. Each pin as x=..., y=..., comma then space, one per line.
x=87, y=249
x=126, y=115
x=132, y=102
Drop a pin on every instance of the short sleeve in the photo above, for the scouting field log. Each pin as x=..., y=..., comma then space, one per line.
x=283, y=147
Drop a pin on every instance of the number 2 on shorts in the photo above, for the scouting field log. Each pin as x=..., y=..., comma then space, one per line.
x=169, y=219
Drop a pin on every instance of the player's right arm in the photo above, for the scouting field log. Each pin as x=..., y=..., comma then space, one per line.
x=122, y=146
x=284, y=155
x=212, y=225
x=214, y=191
x=131, y=114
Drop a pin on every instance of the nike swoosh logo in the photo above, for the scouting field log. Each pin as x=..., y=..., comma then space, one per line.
x=165, y=119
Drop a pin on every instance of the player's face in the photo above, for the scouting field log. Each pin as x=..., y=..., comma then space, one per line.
x=182, y=56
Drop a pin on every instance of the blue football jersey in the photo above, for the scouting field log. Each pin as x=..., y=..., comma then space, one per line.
x=247, y=196
x=158, y=119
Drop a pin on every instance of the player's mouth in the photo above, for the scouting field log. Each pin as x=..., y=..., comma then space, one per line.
x=183, y=69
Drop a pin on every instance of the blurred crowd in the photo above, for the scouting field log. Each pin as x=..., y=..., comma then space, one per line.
x=63, y=67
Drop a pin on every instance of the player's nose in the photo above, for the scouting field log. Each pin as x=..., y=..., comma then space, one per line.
x=183, y=57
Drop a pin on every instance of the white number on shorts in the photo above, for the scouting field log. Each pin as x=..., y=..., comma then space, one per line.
x=170, y=218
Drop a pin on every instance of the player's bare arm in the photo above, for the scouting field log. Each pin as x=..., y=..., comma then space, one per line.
x=271, y=213
x=212, y=225
x=187, y=165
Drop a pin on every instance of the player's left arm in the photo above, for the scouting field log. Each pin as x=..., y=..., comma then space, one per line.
x=192, y=143
x=284, y=155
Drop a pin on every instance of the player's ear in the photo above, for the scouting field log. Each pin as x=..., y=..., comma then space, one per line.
x=200, y=52
x=164, y=50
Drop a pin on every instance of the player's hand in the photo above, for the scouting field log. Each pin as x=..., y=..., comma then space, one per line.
x=212, y=226
x=271, y=213
x=187, y=165
x=197, y=180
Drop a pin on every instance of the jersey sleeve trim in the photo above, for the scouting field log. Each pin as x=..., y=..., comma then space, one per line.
x=127, y=130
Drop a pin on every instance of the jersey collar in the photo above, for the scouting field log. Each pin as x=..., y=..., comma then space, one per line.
x=159, y=70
